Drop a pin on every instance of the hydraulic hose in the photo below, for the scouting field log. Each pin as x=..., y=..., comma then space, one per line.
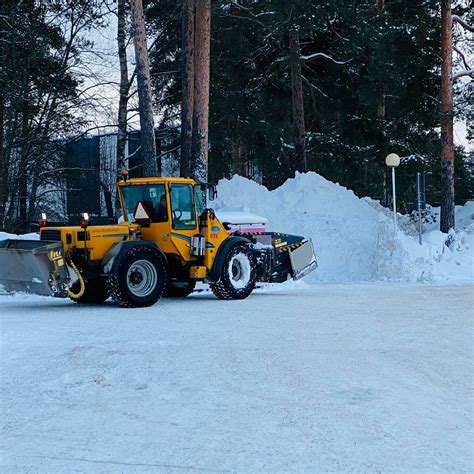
x=82, y=285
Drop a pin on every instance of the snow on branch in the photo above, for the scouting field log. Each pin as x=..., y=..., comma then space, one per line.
x=463, y=57
x=467, y=72
x=310, y=57
x=463, y=23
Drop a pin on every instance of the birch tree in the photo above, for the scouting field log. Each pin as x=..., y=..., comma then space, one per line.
x=47, y=86
x=124, y=85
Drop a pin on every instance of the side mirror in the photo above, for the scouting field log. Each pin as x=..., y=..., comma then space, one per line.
x=212, y=192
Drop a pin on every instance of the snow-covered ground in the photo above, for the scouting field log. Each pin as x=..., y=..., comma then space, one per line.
x=367, y=378
x=308, y=376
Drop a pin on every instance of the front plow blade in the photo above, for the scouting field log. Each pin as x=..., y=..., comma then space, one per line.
x=303, y=260
x=33, y=266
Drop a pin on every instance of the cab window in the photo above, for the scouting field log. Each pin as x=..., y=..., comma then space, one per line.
x=182, y=206
x=153, y=196
x=198, y=199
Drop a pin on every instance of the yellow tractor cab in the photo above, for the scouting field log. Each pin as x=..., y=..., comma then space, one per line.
x=165, y=242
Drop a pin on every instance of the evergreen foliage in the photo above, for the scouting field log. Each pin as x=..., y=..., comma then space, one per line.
x=383, y=98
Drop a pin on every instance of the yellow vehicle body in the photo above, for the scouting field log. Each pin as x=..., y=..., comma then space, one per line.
x=177, y=241
x=170, y=240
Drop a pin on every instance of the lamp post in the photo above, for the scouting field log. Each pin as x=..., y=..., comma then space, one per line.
x=392, y=161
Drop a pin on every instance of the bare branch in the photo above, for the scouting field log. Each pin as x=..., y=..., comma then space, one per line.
x=468, y=72
x=310, y=57
x=464, y=24
x=466, y=65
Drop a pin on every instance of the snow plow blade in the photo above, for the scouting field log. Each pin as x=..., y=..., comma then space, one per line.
x=33, y=266
x=282, y=256
x=303, y=260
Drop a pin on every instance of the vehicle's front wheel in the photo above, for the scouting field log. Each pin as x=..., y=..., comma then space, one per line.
x=139, y=279
x=238, y=274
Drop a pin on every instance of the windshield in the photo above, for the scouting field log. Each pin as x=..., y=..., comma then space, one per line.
x=182, y=205
x=153, y=197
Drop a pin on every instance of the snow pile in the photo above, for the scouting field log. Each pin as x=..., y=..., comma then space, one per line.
x=354, y=239
x=6, y=235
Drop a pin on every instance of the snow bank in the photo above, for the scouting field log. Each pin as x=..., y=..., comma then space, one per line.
x=354, y=238
x=31, y=236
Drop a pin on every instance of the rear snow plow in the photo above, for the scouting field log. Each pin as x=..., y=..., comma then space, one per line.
x=282, y=256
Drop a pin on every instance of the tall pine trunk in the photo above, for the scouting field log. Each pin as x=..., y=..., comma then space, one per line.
x=447, y=149
x=297, y=102
x=3, y=183
x=187, y=80
x=145, y=103
x=240, y=156
x=124, y=84
x=202, y=44
x=22, y=221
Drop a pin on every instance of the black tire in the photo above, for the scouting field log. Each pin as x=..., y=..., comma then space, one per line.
x=139, y=279
x=179, y=289
x=95, y=291
x=237, y=276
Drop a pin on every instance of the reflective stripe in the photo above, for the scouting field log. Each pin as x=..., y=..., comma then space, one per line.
x=179, y=236
x=108, y=235
x=290, y=247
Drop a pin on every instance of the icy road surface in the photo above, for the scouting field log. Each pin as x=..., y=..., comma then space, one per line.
x=315, y=378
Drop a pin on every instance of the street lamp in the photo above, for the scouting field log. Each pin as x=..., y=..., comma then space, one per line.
x=392, y=161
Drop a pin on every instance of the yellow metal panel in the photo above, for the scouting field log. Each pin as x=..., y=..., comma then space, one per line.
x=99, y=238
x=215, y=234
x=197, y=273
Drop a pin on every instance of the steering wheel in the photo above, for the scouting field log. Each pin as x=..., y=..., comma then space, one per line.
x=177, y=216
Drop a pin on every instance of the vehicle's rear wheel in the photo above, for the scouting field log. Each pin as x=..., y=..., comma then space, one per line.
x=179, y=289
x=139, y=279
x=95, y=291
x=238, y=274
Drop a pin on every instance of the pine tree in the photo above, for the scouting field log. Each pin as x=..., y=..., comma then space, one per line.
x=145, y=101
x=187, y=84
x=202, y=43
x=447, y=146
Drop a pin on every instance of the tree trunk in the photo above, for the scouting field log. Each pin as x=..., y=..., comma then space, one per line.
x=201, y=90
x=145, y=103
x=240, y=157
x=3, y=183
x=22, y=222
x=447, y=149
x=297, y=102
x=187, y=79
x=124, y=85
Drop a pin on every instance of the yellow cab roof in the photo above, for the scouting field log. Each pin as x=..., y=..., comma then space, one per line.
x=156, y=180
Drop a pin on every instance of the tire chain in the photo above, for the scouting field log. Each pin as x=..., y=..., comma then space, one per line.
x=113, y=286
x=219, y=289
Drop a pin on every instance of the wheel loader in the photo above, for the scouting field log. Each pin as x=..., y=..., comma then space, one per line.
x=165, y=242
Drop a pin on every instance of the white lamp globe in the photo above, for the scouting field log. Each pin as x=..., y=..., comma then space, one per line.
x=392, y=160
